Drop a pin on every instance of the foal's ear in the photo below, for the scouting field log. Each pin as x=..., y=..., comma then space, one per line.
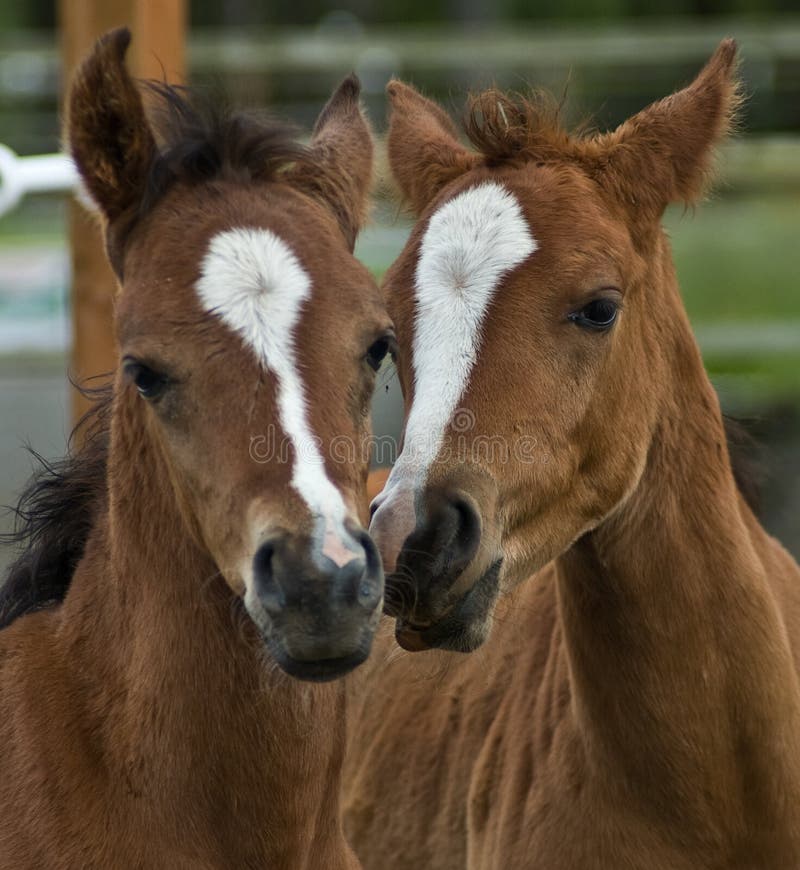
x=665, y=153
x=342, y=152
x=424, y=151
x=109, y=137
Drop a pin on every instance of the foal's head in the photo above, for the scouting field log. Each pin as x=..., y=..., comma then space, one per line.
x=249, y=339
x=537, y=315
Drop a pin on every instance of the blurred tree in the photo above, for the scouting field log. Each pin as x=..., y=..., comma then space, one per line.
x=36, y=14
x=245, y=13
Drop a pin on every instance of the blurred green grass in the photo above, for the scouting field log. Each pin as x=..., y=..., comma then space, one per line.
x=738, y=266
x=737, y=259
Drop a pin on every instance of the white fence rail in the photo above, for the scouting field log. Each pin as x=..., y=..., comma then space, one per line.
x=45, y=173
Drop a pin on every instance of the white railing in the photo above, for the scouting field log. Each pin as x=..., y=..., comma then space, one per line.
x=45, y=173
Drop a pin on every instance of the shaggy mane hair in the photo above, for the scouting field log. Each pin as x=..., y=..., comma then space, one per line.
x=54, y=516
x=504, y=126
x=201, y=139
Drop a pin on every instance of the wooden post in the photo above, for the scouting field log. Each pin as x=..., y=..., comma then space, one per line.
x=157, y=50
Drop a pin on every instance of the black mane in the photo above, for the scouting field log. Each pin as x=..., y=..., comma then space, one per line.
x=748, y=471
x=54, y=516
x=201, y=139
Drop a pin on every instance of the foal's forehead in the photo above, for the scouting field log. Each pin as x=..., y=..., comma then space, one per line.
x=217, y=225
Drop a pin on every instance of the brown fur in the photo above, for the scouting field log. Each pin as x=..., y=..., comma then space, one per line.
x=143, y=722
x=637, y=703
x=438, y=162
x=343, y=183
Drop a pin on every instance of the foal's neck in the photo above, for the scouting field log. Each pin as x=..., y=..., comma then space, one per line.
x=682, y=674
x=196, y=721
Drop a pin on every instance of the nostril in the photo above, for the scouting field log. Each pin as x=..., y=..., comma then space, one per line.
x=373, y=507
x=469, y=523
x=269, y=590
x=374, y=567
x=461, y=533
x=262, y=561
x=360, y=580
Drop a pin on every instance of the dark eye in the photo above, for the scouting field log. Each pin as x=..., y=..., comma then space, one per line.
x=378, y=350
x=599, y=314
x=149, y=382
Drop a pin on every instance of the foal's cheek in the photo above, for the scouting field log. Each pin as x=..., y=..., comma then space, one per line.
x=208, y=510
x=173, y=411
x=361, y=400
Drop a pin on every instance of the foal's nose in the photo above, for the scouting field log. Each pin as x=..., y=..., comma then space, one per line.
x=440, y=544
x=286, y=576
x=323, y=611
x=450, y=534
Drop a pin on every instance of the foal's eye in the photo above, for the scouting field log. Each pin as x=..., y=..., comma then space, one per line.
x=150, y=383
x=599, y=314
x=378, y=351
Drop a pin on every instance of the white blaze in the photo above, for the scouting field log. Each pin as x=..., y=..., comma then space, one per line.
x=253, y=281
x=470, y=244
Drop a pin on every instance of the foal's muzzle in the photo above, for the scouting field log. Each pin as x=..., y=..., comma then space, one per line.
x=429, y=589
x=321, y=615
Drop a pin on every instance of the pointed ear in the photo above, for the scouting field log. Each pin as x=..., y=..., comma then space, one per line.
x=341, y=155
x=109, y=137
x=424, y=151
x=665, y=153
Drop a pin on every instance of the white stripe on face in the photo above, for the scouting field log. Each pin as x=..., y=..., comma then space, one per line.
x=470, y=244
x=253, y=281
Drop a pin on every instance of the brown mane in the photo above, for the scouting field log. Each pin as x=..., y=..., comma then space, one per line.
x=506, y=126
x=202, y=139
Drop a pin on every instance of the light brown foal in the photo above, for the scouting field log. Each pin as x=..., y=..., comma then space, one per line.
x=206, y=540
x=565, y=495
